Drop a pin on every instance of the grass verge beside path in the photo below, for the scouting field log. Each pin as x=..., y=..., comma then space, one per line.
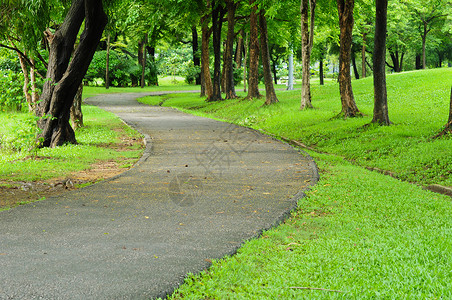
x=106, y=148
x=418, y=107
x=364, y=234
x=358, y=234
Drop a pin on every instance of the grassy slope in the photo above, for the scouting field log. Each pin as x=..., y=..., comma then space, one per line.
x=418, y=107
x=359, y=232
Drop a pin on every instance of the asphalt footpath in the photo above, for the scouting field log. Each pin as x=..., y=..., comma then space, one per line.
x=201, y=189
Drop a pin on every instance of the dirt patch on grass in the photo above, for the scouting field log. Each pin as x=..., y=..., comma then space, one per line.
x=13, y=193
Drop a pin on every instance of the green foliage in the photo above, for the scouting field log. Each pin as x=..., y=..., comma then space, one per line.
x=20, y=135
x=101, y=128
x=190, y=72
x=418, y=106
x=122, y=72
x=358, y=232
x=11, y=94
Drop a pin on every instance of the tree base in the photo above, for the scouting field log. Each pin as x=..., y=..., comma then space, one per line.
x=446, y=131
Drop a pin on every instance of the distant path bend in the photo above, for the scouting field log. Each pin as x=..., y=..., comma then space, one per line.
x=202, y=188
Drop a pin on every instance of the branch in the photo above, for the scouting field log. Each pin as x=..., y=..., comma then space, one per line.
x=18, y=52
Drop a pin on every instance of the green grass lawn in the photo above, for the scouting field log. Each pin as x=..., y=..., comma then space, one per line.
x=103, y=131
x=358, y=234
x=418, y=107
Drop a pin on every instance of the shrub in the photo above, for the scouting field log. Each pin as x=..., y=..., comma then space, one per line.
x=11, y=94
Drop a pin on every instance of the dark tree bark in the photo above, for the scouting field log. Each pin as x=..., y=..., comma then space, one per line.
x=379, y=57
x=355, y=67
x=206, y=79
x=321, y=70
x=245, y=59
x=107, y=64
x=397, y=61
x=223, y=73
x=196, y=59
x=64, y=75
x=448, y=128
x=76, y=109
x=229, y=51
x=143, y=62
x=306, y=48
x=217, y=17
x=418, y=64
x=349, y=108
x=270, y=95
x=253, y=71
x=363, y=56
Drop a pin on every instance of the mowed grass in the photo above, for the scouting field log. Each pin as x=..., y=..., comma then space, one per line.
x=98, y=142
x=418, y=108
x=358, y=234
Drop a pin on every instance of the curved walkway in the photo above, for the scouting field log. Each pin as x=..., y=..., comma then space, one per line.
x=200, y=190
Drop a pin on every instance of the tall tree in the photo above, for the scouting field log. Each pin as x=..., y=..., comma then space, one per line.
x=206, y=79
x=428, y=13
x=217, y=22
x=253, y=70
x=65, y=74
x=270, y=95
x=379, y=56
x=196, y=57
x=228, y=67
x=307, y=40
x=345, y=9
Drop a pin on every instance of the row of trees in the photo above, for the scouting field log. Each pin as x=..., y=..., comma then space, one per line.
x=225, y=35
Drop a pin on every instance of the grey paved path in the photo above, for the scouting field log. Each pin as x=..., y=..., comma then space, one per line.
x=200, y=190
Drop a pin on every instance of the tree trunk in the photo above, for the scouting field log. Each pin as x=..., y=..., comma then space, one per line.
x=448, y=128
x=107, y=65
x=418, y=64
x=76, y=109
x=270, y=95
x=217, y=17
x=25, y=88
x=229, y=51
x=239, y=50
x=306, y=57
x=397, y=61
x=196, y=60
x=379, y=57
x=355, y=68
x=34, y=86
x=349, y=108
x=424, y=39
x=206, y=79
x=143, y=62
x=321, y=71
x=64, y=75
x=253, y=78
x=363, y=56
x=245, y=61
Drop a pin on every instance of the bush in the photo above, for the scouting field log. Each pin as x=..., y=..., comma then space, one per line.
x=190, y=72
x=122, y=69
x=21, y=136
x=11, y=94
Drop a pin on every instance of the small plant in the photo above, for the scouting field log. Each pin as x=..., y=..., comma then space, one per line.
x=22, y=138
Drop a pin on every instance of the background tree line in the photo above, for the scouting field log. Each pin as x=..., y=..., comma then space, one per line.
x=48, y=47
